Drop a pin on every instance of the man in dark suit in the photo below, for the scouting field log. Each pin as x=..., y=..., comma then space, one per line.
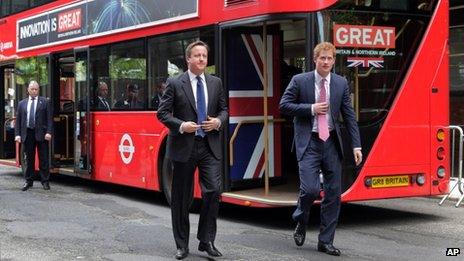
x=315, y=100
x=194, y=109
x=132, y=100
x=33, y=127
x=101, y=102
x=160, y=86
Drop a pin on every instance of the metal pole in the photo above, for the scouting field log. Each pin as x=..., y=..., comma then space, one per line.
x=266, y=123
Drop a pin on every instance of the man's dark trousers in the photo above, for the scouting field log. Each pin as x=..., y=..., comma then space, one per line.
x=323, y=156
x=42, y=149
x=182, y=188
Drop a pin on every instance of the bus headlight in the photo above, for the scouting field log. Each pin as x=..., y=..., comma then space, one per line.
x=440, y=135
x=420, y=179
x=441, y=153
x=441, y=172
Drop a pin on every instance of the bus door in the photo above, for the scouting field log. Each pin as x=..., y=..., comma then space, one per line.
x=244, y=79
x=63, y=97
x=7, y=112
x=82, y=122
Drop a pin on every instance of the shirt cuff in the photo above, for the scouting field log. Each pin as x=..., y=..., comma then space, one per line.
x=357, y=148
x=312, y=109
x=181, y=131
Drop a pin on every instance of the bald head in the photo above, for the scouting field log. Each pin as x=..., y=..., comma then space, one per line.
x=33, y=89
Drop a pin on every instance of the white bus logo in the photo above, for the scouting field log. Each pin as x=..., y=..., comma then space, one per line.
x=125, y=148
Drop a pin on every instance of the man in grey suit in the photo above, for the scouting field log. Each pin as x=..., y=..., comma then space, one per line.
x=33, y=127
x=194, y=109
x=316, y=99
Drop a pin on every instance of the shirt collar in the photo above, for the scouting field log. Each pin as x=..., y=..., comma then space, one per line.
x=193, y=76
x=318, y=78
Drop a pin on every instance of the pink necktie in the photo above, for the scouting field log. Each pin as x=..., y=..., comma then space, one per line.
x=322, y=123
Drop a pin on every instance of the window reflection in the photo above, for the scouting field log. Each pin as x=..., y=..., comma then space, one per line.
x=127, y=70
x=374, y=75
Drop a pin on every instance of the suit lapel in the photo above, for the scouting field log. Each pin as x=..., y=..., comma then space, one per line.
x=188, y=90
x=311, y=88
x=209, y=87
x=38, y=108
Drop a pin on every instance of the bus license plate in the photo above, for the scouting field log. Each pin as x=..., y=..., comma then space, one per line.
x=390, y=181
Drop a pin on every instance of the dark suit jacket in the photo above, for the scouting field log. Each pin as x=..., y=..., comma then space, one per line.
x=100, y=105
x=178, y=105
x=43, y=119
x=300, y=95
x=124, y=104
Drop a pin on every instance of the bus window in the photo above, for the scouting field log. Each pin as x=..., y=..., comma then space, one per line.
x=375, y=63
x=167, y=59
x=99, y=73
x=127, y=71
x=376, y=42
x=28, y=69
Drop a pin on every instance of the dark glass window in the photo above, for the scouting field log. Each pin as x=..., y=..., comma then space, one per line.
x=35, y=3
x=167, y=59
x=99, y=74
x=5, y=7
x=127, y=72
x=19, y=5
x=28, y=69
x=8, y=7
x=375, y=84
x=456, y=64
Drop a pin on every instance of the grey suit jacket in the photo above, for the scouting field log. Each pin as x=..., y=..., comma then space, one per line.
x=43, y=119
x=178, y=105
x=300, y=95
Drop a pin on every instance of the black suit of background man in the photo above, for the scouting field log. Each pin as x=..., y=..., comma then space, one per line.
x=101, y=101
x=188, y=147
x=34, y=133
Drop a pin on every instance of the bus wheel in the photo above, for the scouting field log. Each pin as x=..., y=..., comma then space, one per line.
x=166, y=178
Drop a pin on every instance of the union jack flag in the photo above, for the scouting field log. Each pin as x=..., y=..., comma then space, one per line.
x=245, y=83
x=365, y=62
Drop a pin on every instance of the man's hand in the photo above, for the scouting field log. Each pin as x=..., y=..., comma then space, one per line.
x=190, y=126
x=18, y=139
x=48, y=136
x=357, y=156
x=210, y=124
x=320, y=108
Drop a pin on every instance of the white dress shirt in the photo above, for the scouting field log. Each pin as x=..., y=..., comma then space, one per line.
x=193, y=83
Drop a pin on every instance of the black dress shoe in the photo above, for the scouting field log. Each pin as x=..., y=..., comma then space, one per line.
x=46, y=186
x=209, y=248
x=182, y=253
x=328, y=249
x=300, y=234
x=26, y=186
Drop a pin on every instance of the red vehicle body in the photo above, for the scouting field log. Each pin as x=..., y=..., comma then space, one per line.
x=394, y=55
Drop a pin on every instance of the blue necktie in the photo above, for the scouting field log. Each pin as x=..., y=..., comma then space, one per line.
x=201, y=106
x=32, y=114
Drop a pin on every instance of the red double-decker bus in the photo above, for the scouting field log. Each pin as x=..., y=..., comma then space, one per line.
x=394, y=55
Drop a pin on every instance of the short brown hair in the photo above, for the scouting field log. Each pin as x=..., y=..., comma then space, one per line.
x=189, y=48
x=324, y=46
